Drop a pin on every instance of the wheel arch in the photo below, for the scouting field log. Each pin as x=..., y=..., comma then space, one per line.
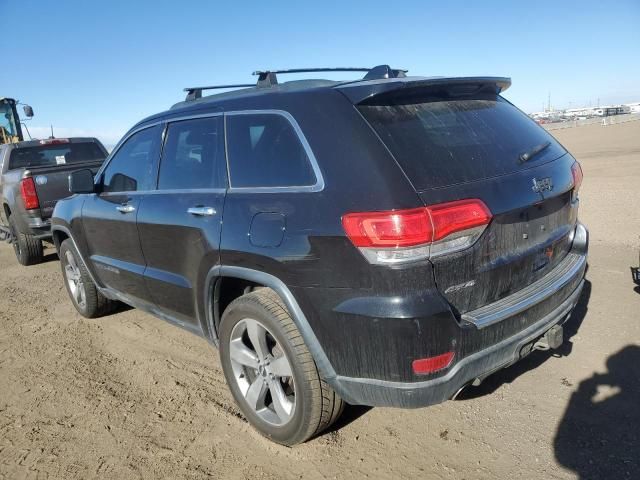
x=213, y=287
x=6, y=209
x=59, y=236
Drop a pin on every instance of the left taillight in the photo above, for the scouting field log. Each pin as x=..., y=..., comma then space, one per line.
x=29, y=194
x=400, y=236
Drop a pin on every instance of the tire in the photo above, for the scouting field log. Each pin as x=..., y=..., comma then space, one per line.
x=309, y=405
x=27, y=248
x=84, y=294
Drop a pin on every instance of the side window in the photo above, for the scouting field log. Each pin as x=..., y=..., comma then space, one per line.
x=264, y=151
x=193, y=155
x=132, y=167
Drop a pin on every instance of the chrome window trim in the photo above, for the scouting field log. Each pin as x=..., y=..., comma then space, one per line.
x=134, y=193
x=317, y=187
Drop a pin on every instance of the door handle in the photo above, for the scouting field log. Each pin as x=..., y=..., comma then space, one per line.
x=125, y=208
x=202, y=211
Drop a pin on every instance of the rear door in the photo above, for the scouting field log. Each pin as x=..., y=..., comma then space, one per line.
x=180, y=222
x=454, y=145
x=109, y=218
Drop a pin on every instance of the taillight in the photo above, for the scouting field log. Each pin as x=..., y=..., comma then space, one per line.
x=432, y=364
x=29, y=195
x=399, y=236
x=576, y=173
x=54, y=141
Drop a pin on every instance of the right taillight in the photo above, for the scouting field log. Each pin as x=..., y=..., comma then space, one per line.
x=400, y=236
x=576, y=173
x=29, y=195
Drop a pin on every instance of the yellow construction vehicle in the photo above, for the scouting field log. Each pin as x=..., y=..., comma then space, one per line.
x=10, y=125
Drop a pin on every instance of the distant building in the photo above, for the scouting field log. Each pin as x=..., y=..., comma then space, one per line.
x=633, y=107
x=603, y=111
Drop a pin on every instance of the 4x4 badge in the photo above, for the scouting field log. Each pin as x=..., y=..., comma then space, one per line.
x=541, y=185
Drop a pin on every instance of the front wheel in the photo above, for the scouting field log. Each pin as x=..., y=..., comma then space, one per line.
x=84, y=294
x=271, y=372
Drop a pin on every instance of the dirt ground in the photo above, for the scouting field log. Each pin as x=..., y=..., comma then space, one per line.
x=129, y=396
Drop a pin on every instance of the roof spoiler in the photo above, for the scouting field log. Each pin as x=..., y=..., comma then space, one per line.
x=363, y=92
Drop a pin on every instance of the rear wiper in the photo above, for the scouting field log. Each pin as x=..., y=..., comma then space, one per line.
x=525, y=157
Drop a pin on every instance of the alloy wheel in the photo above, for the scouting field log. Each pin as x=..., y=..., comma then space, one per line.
x=262, y=372
x=74, y=280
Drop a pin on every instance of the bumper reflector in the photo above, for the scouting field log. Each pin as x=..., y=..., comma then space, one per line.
x=423, y=366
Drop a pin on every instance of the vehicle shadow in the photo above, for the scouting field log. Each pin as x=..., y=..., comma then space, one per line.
x=50, y=257
x=536, y=358
x=599, y=434
x=350, y=414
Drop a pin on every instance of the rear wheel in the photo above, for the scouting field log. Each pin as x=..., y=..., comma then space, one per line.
x=271, y=372
x=84, y=294
x=27, y=248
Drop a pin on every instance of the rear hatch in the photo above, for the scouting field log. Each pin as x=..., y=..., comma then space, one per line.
x=466, y=142
x=50, y=162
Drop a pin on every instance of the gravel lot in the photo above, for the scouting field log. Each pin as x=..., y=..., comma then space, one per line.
x=128, y=396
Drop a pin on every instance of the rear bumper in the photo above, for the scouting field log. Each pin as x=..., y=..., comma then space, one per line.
x=493, y=357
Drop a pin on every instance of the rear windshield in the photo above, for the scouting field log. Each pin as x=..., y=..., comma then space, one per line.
x=52, y=155
x=451, y=141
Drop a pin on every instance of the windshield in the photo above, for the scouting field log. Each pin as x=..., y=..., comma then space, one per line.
x=449, y=141
x=51, y=155
x=7, y=121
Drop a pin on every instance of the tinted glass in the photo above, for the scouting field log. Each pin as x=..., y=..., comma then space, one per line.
x=7, y=121
x=193, y=155
x=265, y=151
x=132, y=167
x=440, y=143
x=51, y=155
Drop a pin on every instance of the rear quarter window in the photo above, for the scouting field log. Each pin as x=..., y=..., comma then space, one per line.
x=445, y=142
x=264, y=150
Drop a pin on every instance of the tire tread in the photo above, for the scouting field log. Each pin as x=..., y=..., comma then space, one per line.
x=326, y=405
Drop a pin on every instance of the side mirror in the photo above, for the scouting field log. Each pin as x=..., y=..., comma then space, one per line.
x=81, y=181
x=28, y=111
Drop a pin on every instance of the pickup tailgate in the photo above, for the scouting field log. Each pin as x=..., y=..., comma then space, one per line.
x=52, y=183
x=456, y=144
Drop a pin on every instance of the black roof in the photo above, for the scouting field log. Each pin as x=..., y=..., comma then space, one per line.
x=378, y=81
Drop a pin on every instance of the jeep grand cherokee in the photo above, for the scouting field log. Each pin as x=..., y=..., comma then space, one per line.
x=385, y=241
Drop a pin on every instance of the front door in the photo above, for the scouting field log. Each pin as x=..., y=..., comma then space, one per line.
x=110, y=217
x=180, y=223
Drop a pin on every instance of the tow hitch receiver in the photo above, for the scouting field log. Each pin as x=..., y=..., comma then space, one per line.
x=550, y=340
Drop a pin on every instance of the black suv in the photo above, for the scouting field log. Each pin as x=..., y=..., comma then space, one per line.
x=386, y=241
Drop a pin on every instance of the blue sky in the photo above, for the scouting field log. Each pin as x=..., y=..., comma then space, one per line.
x=95, y=68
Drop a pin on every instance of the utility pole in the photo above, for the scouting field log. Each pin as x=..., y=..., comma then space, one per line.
x=549, y=102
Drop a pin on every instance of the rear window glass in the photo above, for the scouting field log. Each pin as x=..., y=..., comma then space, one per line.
x=265, y=151
x=52, y=155
x=439, y=143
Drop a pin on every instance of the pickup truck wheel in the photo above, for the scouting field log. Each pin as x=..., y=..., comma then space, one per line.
x=84, y=294
x=27, y=248
x=271, y=372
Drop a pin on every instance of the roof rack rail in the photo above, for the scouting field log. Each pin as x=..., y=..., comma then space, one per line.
x=268, y=78
x=193, y=93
